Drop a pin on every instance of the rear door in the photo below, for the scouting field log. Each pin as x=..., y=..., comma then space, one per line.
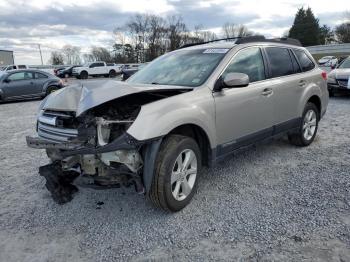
x=287, y=83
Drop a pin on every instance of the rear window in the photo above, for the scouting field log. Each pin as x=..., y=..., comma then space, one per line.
x=280, y=61
x=304, y=61
x=40, y=75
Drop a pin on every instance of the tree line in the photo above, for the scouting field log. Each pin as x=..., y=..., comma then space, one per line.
x=145, y=37
x=307, y=30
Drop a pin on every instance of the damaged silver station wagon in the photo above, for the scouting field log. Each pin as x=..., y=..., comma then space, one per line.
x=188, y=108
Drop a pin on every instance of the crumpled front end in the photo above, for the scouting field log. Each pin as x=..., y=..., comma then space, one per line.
x=94, y=148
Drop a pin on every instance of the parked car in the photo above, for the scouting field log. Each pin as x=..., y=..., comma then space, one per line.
x=96, y=69
x=330, y=61
x=55, y=70
x=13, y=67
x=188, y=108
x=339, y=78
x=129, y=71
x=66, y=72
x=27, y=84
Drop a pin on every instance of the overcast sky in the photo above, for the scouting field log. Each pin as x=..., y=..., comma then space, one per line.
x=86, y=23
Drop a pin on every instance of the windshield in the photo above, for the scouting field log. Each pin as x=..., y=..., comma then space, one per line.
x=345, y=64
x=183, y=68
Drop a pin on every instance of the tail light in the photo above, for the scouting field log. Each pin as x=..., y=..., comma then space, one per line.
x=324, y=75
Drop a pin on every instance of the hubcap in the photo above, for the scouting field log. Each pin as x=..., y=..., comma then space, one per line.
x=309, y=125
x=184, y=174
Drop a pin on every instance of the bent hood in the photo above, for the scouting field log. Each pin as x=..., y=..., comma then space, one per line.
x=79, y=98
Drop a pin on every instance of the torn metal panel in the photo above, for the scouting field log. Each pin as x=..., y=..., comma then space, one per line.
x=80, y=98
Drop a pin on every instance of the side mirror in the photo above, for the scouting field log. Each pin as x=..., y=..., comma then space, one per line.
x=7, y=80
x=232, y=80
x=91, y=66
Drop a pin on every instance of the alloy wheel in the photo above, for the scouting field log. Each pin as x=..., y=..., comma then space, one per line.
x=309, y=124
x=184, y=174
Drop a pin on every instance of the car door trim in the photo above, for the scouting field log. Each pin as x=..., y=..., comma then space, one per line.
x=234, y=146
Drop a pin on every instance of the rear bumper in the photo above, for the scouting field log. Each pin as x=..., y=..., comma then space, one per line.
x=337, y=88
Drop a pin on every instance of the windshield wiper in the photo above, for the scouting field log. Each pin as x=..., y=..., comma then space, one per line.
x=155, y=83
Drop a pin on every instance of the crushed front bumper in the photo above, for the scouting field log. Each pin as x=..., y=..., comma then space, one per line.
x=71, y=160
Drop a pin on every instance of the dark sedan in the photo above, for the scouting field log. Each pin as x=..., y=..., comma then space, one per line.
x=27, y=84
x=66, y=72
x=129, y=70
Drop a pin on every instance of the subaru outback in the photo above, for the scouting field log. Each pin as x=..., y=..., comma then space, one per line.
x=188, y=108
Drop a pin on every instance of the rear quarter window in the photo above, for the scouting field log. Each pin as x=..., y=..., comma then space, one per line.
x=304, y=60
x=280, y=62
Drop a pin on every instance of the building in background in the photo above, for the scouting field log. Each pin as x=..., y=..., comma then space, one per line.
x=6, y=58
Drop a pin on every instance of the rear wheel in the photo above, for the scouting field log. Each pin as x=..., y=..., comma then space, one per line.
x=308, y=128
x=176, y=173
x=112, y=73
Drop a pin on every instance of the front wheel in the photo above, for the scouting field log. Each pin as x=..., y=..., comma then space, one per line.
x=176, y=173
x=308, y=127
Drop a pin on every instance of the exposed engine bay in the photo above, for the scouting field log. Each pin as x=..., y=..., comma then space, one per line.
x=93, y=149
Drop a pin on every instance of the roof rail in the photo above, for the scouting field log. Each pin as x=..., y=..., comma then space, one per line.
x=260, y=38
x=250, y=39
x=211, y=41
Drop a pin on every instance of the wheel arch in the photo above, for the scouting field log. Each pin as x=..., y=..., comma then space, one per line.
x=316, y=100
x=200, y=136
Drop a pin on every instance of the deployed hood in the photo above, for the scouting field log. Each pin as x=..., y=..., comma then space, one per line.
x=81, y=97
x=340, y=73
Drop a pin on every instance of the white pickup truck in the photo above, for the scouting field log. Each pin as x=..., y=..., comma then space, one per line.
x=96, y=69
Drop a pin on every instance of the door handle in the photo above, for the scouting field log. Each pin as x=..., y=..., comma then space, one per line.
x=302, y=83
x=267, y=92
x=31, y=83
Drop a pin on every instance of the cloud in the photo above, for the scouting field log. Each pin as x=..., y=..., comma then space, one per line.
x=54, y=23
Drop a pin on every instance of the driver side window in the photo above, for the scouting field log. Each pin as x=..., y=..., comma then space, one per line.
x=248, y=61
x=20, y=76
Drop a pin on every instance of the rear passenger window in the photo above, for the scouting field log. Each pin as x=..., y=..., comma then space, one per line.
x=296, y=66
x=280, y=61
x=248, y=61
x=305, y=62
x=40, y=75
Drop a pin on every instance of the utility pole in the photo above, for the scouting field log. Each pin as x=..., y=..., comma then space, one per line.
x=41, y=56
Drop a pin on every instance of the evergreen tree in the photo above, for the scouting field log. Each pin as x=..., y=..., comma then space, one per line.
x=306, y=28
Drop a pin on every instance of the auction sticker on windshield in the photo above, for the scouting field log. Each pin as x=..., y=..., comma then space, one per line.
x=216, y=51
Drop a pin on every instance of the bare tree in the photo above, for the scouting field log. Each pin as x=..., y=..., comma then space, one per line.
x=176, y=32
x=72, y=54
x=342, y=32
x=233, y=30
x=155, y=36
x=56, y=58
x=101, y=54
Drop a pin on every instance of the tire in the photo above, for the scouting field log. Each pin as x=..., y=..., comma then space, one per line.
x=308, y=127
x=51, y=89
x=84, y=75
x=112, y=74
x=175, y=195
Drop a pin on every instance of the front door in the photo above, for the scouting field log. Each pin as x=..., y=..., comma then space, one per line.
x=244, y=115
x=19, y=84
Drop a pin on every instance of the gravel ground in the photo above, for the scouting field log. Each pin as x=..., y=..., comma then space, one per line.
x=273, y=202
